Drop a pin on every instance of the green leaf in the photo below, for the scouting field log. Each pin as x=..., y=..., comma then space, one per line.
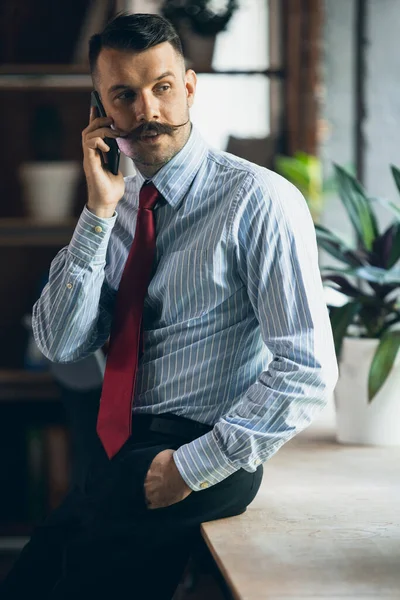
x=396, y=176
x=382, y=362
x=358, y=207
x=330, y=185
x=337, y=247
x=295, y=171
x=341, y=317
x=305, y=172
x=377, y=275
x=341, y=284
x=388, y=247
x=368, y=273
x=390, y=206
x=394, y=255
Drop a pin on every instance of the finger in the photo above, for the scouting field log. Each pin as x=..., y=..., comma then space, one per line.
x=97, y=122
x=98, y=144
x=103, y=132
x=92, y=114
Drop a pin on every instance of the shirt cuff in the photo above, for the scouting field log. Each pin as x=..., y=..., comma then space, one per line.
x=202, y=463
x=91, y=236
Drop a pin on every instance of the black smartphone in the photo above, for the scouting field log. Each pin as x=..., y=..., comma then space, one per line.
x=111, y=162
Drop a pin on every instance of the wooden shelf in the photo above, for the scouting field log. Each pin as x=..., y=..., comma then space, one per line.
x=66, y=77
x=54, y=69
x=43, y=69
x=16, y=529
x=12, y=543
x=59, y=82
x=29, y=232
x=45, y=76
x=17, y=384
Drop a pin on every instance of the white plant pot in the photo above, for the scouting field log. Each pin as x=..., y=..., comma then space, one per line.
x=358, y=422
x=49, y=189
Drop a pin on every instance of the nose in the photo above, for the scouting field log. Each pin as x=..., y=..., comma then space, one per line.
x=146, y=107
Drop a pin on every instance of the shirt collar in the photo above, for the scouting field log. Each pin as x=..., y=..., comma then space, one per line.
x=174, y=178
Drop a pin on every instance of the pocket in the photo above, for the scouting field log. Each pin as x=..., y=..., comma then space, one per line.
x=134, y=467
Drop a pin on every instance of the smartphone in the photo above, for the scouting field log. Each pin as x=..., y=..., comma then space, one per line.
x=110, y=159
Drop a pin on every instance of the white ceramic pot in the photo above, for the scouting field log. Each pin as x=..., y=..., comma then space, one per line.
x=49, y=189
x=358, y=422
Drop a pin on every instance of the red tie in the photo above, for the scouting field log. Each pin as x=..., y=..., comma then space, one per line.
x=114, y=422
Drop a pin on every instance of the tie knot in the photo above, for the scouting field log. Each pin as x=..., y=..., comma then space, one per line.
x=148, y=196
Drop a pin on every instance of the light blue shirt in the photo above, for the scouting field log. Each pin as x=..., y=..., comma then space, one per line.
x=236, y=329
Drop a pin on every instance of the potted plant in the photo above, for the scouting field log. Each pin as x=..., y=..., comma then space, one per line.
x=366, y=326
x=198, y=22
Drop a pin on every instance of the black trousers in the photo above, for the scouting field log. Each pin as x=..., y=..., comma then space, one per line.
x=103, y=540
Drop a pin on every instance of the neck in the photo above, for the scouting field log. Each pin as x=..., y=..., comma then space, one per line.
x=149, y=170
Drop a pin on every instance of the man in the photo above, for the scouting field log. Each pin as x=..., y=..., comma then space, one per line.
x=236, y=352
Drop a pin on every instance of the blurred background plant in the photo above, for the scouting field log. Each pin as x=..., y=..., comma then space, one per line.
x=306, y=173
x=198, y=22
x=369, y=275
x=205, y=17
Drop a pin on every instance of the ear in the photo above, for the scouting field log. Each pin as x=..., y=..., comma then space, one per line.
x=190, y=85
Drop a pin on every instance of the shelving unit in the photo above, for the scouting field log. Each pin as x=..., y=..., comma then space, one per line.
x=61, y=77
x=31, y=386
x=28, y=232
x=32, y=414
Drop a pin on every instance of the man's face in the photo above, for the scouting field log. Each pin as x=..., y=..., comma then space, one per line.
x=146, y=93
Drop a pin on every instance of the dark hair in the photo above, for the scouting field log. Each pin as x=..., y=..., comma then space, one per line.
x=135, y=32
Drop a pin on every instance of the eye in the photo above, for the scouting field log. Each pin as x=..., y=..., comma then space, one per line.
x=126, y=96
x=164, y=87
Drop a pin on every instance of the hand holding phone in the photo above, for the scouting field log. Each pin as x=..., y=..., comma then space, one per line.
x=111, y=161
x=105, y=183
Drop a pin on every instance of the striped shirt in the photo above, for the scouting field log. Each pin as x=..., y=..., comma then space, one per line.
x=236, y=329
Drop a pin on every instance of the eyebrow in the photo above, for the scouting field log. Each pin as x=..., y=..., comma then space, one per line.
x=123, y=86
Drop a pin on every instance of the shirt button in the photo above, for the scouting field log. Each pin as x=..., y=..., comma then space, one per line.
x=258, y=462
x=98, y=229
x=204, y=485
x=69, y=286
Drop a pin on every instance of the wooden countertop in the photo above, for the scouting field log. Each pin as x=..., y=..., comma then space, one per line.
x=325, y=524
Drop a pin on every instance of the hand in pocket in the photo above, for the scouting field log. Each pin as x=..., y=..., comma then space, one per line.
x=164, y=485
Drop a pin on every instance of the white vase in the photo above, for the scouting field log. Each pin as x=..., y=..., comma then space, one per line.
x=357, y=421
x=49, y=189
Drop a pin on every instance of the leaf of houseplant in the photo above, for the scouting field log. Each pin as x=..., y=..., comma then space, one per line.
x=358, y=207
x=372, y=274
x=382, y=362
x=337, y=247
x=313, y=166
x=343, y=286
x=315, y=183
x=386, y=248
x=305, y=172
x=341, y=317
x=390, y=206
x=396, y=175
x=294, y=170
x=377, y=275
x=393, y=251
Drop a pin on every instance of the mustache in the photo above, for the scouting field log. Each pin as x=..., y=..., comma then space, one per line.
x=153, y=127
